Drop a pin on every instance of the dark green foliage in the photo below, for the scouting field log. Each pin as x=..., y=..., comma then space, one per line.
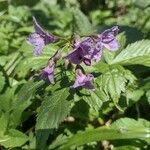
x=35, y=114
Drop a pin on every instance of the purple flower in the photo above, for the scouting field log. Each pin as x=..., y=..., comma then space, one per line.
x=108, y=39
x=39, y=38
x=85, y=51
x=83, y=80
x=48, y=72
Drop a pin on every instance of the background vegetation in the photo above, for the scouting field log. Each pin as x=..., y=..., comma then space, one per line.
x=37, y=115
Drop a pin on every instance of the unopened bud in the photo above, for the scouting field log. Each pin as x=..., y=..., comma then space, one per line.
x=57, y=56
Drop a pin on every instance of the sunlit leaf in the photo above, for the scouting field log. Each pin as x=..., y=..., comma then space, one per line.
x=136, y=53
x=14, y=138
x=53, y=110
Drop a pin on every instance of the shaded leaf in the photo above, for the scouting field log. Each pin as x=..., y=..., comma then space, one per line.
x=28, y=90
x=131, y=131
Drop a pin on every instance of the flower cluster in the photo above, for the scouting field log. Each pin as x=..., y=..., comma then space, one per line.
x=87, y=50
x=91, y=48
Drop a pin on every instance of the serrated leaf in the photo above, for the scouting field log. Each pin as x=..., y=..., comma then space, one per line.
x=136, y=53
x=53, y=110
x=81, y=23
x=95, y=99
x=28, y=90
x=113, y=81
x=14, y=138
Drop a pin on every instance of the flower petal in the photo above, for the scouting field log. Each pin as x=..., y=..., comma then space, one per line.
x=113, y=45
x=83, y=80
x=48, y=72
x=37, y=42
x=37, y=27
x=75, y=56
x=108, y=39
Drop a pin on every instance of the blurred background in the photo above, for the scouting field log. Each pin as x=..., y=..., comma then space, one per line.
x=133, y=17
x=17, y=64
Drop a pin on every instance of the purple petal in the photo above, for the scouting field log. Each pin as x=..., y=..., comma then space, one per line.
x=51, y=78
x=89, y=86
x=97, y=52
x=113, y=45
x=37, y=42
x=83, y=80
x=108, y=39
x=37, y=27
x=39, y=38
x=87, y=61
x=89, y=77
x=48, y=38
x=79, y=81
x=75, y=57
x=48, y=72
x=97, y=56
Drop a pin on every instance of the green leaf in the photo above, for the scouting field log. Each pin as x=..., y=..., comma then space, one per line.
x=95, y=99
x=126, y=148
x=128, y=123
x=113, y=81
x=14, y=138
x=134, y=95
x=32, y=62
x=6, y=99
x=136, y=53
x=4, y=118
x=122, y=40
x=41, y=139
x=142, y=3
x=125, y=128
x=2, y=13
x=2, y=81
x=81, y=24
x=109, y=55
x=28, y=90
x=53, y=110
x=58, y=141
x=148, y=96
x=3, y=60
x=16, y=115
